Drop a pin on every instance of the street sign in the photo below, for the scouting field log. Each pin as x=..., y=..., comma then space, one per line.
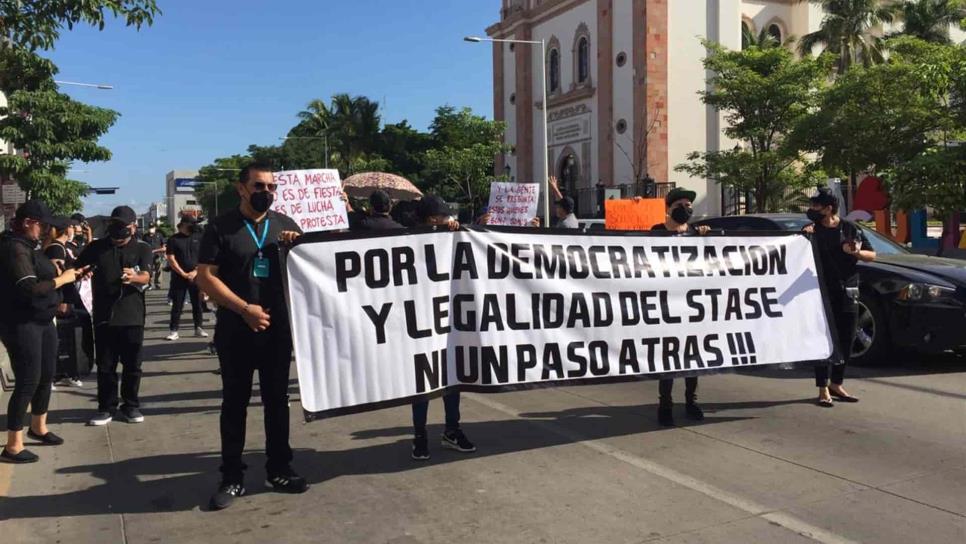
x=13, y=194
x=186, y=185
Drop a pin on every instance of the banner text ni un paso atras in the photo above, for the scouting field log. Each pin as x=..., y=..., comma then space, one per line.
x=379, y=319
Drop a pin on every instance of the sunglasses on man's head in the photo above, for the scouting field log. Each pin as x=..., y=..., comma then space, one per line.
x=262, y=186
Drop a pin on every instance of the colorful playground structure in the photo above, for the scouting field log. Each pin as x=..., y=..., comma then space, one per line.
x=910, y=227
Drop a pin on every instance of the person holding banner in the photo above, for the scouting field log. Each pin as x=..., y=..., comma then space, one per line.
x=433, y=211
x=564, y=207
x=841, y=245
x=679, y=204
x=239, y=268
x=378, y=218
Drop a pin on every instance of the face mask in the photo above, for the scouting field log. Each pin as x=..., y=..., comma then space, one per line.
x=814, y=215
x=681, y=215
x=261, y=201
x=118, y=232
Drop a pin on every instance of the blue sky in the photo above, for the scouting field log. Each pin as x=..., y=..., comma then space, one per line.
x=213, y=76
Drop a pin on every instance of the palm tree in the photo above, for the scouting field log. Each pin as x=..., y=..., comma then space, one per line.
x=849, y=31
x=355, y=122
x=315, y=121
x=764, y=40
x=930, y=20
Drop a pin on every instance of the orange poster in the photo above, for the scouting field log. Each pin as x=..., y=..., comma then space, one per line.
x=633, y=214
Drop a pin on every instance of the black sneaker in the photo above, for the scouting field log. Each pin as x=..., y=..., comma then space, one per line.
x=100, y=418
x=694, y=411
x=287, y=481
x=49, y=439
x=132, y=415
x=25, y=456
x=456, y=440
x=226, y=495
x=665, y=416
x=420, y=448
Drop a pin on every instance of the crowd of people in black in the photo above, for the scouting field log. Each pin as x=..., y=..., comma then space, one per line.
x=236, y=263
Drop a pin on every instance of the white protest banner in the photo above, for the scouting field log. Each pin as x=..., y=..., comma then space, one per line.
x=380, y=319
x=313, y=198
x=512, y=204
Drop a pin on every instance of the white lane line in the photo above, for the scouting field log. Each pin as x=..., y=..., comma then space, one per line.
x=781, y=518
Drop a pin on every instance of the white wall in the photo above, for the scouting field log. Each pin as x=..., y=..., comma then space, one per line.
x=564, y=27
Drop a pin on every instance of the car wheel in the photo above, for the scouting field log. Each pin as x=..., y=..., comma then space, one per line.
x=871, y=342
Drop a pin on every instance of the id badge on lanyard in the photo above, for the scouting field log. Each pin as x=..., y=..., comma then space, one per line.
x=260, y=266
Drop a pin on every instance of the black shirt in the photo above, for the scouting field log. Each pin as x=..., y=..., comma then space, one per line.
x=185, y=248
x=116, y=304
x=228, y=244
x=838, y=267
x=379, y=222
x=57, y=251
x=153, y=240
x=26, y=281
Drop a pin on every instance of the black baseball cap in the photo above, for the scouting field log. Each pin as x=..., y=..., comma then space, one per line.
x=677, y=194
x=33, y=209
x=567, y=204
x=59, y=222
x=380, y=201
x=124, y=214
x=432, y=205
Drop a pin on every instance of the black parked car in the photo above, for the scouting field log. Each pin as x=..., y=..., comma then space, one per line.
x=907, y=300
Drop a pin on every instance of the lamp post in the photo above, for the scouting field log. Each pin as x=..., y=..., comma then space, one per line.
x=545, y=177
x=100, y=86
x=325, y=138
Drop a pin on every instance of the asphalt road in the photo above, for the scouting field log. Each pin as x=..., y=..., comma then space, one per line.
x=584, y=465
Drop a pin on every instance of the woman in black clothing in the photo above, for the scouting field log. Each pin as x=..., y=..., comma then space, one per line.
x=679, y=211
x=56, y=249
x=29, y=284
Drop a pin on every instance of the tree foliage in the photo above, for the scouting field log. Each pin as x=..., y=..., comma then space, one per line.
x=930, y=20
x=764, y=93
x=36, y=24
x=848, y=32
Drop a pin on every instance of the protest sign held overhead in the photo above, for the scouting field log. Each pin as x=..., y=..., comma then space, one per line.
x=377, y=320
x=313, y=198
x=640, y=214
x=513, y=204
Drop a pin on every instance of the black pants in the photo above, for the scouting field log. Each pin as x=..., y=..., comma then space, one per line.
x=451, y=403
x=843, y=313
x=180, y=288
x=690, y=389
x=32, y=348
x=156, y=272
x=240, y=353
x=113, y=345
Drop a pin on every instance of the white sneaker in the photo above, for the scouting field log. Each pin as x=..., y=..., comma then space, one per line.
x=200, y=333
x=173, y=336
x=75, y=382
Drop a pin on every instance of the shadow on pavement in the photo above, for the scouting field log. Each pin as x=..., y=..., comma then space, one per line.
x=179, y=482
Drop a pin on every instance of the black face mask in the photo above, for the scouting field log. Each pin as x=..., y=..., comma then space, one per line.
x=681, y=215
x=118, y=232
x=814, y=215
x=261, y=201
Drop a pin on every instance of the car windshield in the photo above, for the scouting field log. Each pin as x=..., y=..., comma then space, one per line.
x=883, y=245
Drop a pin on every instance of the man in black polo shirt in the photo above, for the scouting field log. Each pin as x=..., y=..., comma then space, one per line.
x=182, y=252
x=239, y=268
x=122, y=270
x=155, y=239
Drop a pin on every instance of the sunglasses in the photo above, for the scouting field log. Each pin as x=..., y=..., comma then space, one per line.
x=262, y=186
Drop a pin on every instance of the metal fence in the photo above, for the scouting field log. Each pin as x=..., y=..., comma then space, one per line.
x=590, y=200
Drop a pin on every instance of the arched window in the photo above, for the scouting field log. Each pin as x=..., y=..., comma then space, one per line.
x=553, y=77
x=583, y=60
x=775, y=31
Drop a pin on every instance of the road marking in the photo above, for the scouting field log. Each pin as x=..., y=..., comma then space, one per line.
x=775, y=516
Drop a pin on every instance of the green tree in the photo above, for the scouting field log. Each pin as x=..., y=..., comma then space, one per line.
x=848, y=31
x=219, y=182
x=929, y=20
x=763, y=93
x=404, y=148
x=459, y=165
x=355, y=122
x=36, y=24
x=48, y=128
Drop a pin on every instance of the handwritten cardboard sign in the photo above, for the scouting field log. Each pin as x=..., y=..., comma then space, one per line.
x=633, y=214
x=313, y=198
x=513, y=204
